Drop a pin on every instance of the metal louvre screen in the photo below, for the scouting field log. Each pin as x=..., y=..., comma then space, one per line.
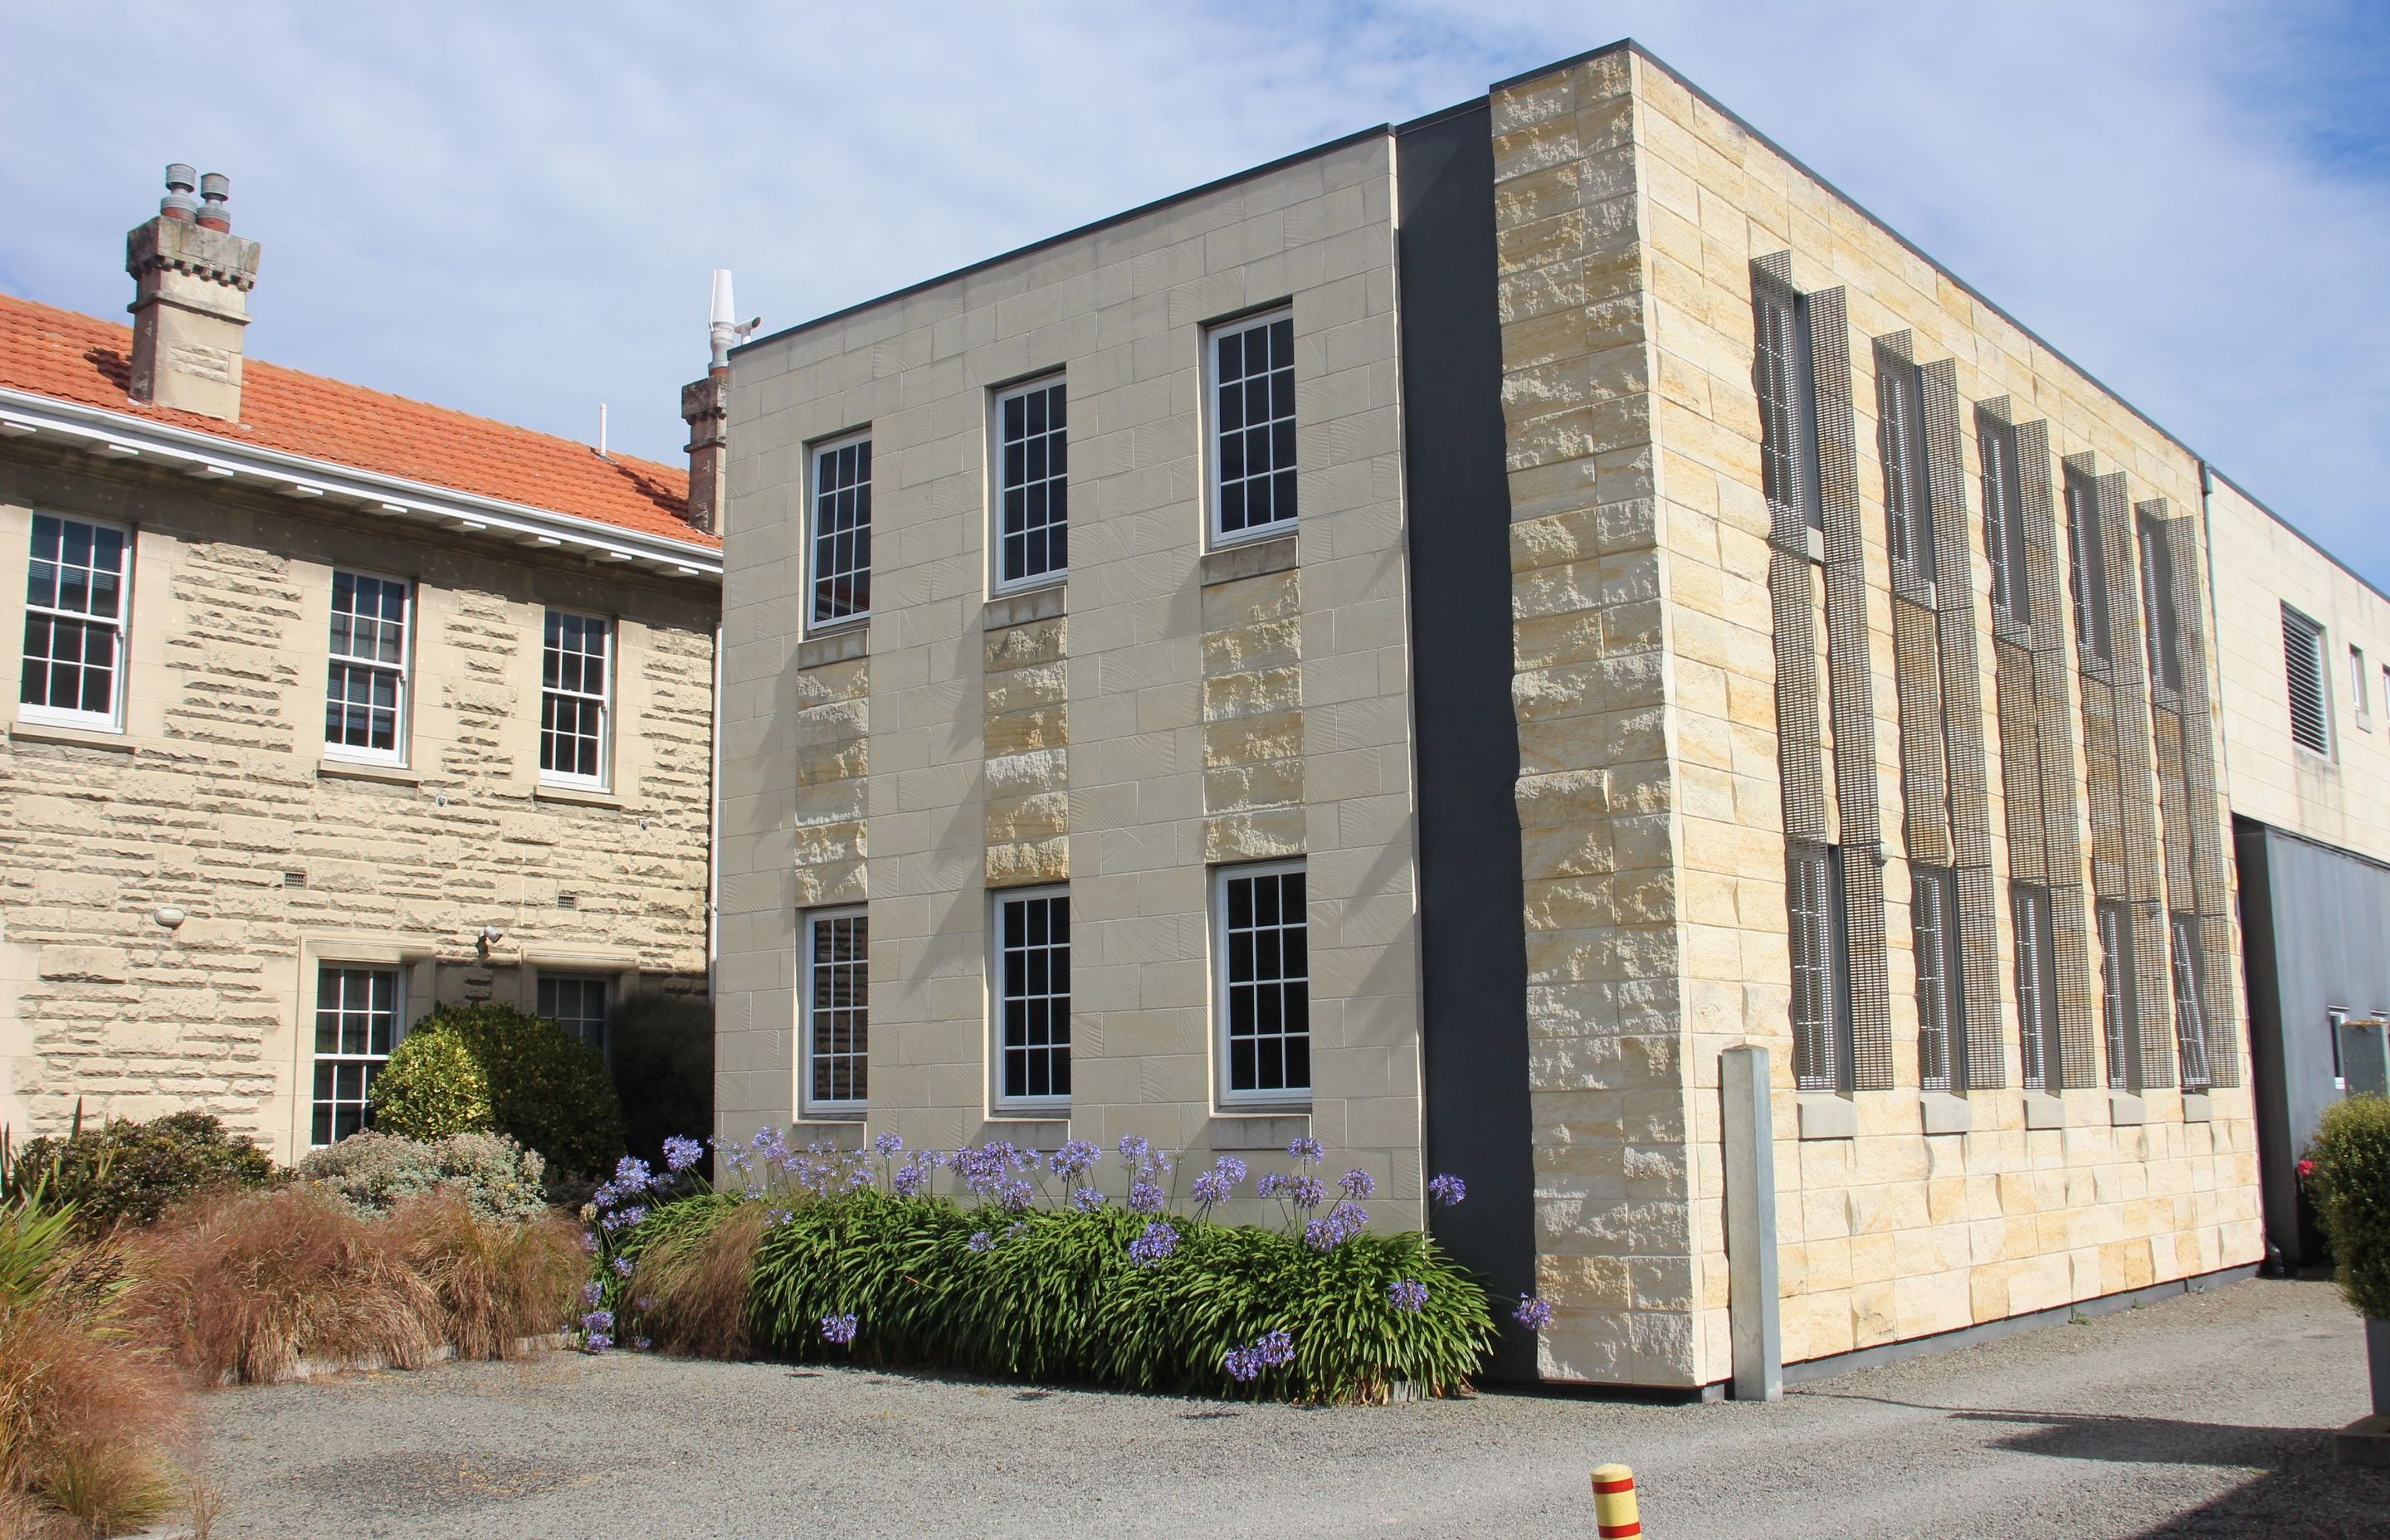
x=2211, y=883
x=1852, y=694
x=2054, y=749
x=1924, y=780
x=2137, y=779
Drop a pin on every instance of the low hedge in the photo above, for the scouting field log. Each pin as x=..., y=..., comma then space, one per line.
x=127, y=1173
x=373, y=1172
x=1072, y=1292
x=491, y=1069
x=2347, y=1175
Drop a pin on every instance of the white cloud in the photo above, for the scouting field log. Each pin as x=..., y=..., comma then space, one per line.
x=512, y=209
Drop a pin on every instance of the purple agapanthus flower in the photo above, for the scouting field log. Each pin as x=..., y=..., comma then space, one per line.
x=1212, y=1188
x=1086, y=1200
x=1144, y=1198
x=1243, y=1364
x=641, y=1344
x=1447, y=1189
x=1406, y=1294
x=1277, y=1348
x=621, y=1266
x=1272, y=1185
x=1159, y=1239
x=597, y=1320
x=838, y=1329
x=680, y=1153
x=1230, y=1167
x=1310, y=1152
x=589, y=1240
x=1534, y=1313
x=1335, y=1228
x=1134, y=1147
x=631, y=1174
x=888, y=1144
x=980, y=1241
x=1074, y=1157
x=597, y=1341
x=1306, y=1192
x=592, y=1293
x=1356, y=1184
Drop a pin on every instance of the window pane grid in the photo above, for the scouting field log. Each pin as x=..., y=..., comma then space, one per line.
x=838, y=1011
x=356, y=1026
x=577, y=1003
x=1932, y=915
x=2116, y=1003
x=1033, y=481
x=1907, y=505
x=575, y=684
x=365, y=684
x=75, y=618
x=2189, y=1014
x=2004, y=525
x=1264, y=937
x=1253, y=425
x=2087, y=566
x=1818, y=976
x=841, y=531
x=2037, y=986
x=1033, y=995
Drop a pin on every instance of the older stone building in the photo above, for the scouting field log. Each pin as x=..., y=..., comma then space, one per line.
x=330, y=706
x=1440, y=642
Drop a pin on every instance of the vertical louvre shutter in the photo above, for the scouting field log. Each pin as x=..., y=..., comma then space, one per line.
x=2303, y=659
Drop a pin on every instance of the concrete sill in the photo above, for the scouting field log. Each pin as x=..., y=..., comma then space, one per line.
x=2125, y=1109
x=42, y=732
x=1251, y=559
x=836, y=647
x=2195, y=1107
x=1258, y=1131
x=2043, y=1111
x=1944, y=1114
x=349, y=770
x=579, y=796
x=1006, y=611
x=1813, y=544
x=1825, y=1115
x=1037, y=1130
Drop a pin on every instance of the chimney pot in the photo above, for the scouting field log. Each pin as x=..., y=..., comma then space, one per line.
x=214, y=187
x=178, y=202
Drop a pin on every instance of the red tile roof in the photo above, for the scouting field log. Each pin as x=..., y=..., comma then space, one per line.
x=82, y=359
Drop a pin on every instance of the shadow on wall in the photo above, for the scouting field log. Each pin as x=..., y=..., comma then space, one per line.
x=662, y=1048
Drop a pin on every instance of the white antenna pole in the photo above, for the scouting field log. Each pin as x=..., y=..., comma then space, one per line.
x=724, y=319
x=601, y=428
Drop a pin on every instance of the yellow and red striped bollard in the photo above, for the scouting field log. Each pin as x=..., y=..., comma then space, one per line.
x=1614, y=1503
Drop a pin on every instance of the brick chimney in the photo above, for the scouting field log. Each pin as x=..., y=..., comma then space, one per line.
x=191, y=278
x=705, y=406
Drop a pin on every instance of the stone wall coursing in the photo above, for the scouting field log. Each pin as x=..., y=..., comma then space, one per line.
x=1028, y=736
x=1890, y=1234
x=217, y=788
x=1253, y=718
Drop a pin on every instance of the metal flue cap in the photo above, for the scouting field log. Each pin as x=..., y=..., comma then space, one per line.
x=214, y=187
x=178, y=202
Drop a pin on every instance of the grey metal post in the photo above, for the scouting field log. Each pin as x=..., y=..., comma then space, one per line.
x=1750, y=1226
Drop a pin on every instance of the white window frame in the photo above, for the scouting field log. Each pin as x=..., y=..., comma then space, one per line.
x=999, y=988
x=111, y=720
x=809, y=1105
x=997, y=581
x=1214, y=535
x=609, y=982
x=316, y=1057
x=1287, y=1097
x=400, y=736
x=605, y=700
x=2359, y=690
x=814, y=452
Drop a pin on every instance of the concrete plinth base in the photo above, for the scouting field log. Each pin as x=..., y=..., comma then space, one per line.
x=2365, y=1441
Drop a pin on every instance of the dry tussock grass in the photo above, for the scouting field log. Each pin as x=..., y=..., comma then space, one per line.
x=495, y=1283
x=698, y=1282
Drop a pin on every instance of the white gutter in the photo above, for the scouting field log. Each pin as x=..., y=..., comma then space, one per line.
x=118, y=435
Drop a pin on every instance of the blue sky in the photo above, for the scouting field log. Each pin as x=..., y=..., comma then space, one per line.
x=514, y=209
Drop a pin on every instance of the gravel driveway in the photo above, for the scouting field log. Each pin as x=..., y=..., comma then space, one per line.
x=2203, y=1414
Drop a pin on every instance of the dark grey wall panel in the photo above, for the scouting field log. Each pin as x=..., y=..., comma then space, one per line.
x=1479, y=1122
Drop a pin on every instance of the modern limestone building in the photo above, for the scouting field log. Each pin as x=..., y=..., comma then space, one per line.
x=2305, y=660
x=1430, y=643
x=327, y=706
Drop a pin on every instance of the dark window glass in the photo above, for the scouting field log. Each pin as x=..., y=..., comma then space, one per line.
x=577, y=1002
x=2190, y=1009
x=1907, y=496
x=841, y=531
x=1933, y=917
x=365, y=685
x=74, y=619
x=2157, y=605
x=1266, y=976
x=1821, y=975
x=2118, y=990
x=2037, y=987
x=356, y=1027
x=1252, y=371
x=1786, y=376
x=1033, y=995
x=2086, y=566
x=573, y=686
x=1033, y=483
x=838, y=1012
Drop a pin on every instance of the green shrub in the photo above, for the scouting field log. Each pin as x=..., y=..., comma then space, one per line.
x=661, y=1049
x=2347, y=1173
x=548, y=1089
x=433, y=1088
x=374, y=1171
x=127, y=1173
x=1054, y=1294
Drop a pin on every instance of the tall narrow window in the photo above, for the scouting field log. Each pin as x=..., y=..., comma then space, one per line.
x=1821, y=975
x=2004, y=524
x=2303, y=667
x=1033, y=996
x=1033, y=483
x=576, y=687
x=365, y=694
x=2190, y=1010
x=356, y=1026
x=577, y=1002
x=1253, y=426
x=1261, y=944
x=1908, y=497
x=2118, y=992
x=1941, y=1014
x=1788, y=404
x=2086, y=566
x=2157, y=605
x=2037, y=987
x=76, y=589
x=840, y=531
x=2358, y=687
x=836, y=1032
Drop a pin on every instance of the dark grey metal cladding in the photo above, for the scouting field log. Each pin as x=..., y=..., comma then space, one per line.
x=1479, y=1118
